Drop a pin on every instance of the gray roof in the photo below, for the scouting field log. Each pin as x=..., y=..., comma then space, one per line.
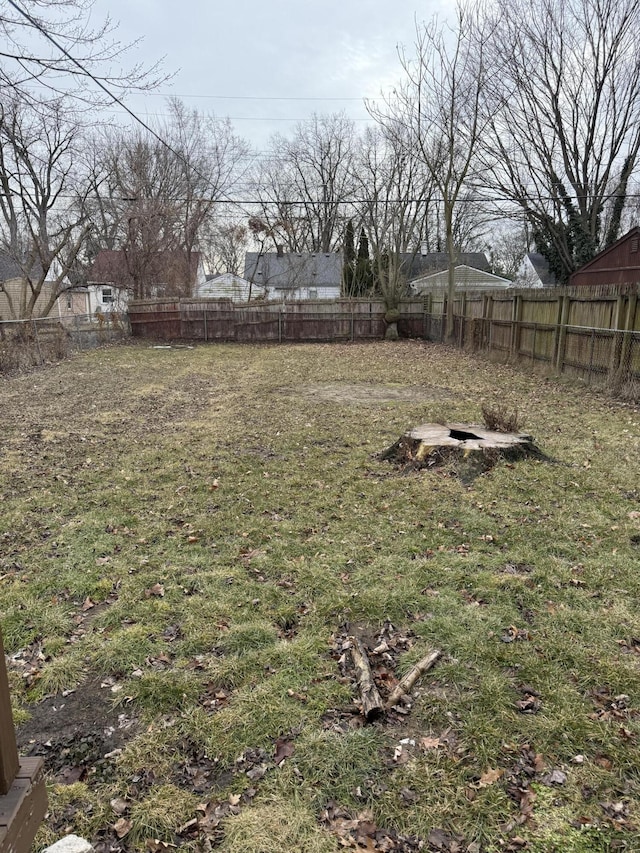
x=9, y=268
x=416, y=264
x=541, y=266
x=293, y=270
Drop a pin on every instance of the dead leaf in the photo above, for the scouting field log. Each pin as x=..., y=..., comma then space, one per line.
x=430, y=742
x=556, y=777
x=490, y=777
x=156, y=590
x=87, y=604
x=257, y=772
x=284, y=749
x=119, y=805
x=122, y=827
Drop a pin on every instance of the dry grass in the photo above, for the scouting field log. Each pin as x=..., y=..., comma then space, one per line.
x=187, y=528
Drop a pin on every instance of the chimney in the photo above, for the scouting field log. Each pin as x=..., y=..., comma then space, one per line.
x=280, y=249
x=423, y=248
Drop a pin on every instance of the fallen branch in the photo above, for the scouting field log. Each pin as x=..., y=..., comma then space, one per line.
x=406, y=683
x=372, y=705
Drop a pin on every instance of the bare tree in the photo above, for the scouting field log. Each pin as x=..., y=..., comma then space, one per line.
x=227, y=245
x=440, y=107
x=394, y=192
x=42, y=229
x=157, y=194
x=566, y=135
x=60, y=45
x=304, y=183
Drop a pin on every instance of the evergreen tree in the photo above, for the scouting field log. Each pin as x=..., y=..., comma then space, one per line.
x=363, y=282
x=349, y=267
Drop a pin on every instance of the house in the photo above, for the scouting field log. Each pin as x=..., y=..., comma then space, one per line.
x=230, y=286
x=534, y=272
x=416, y=264
x=14, y=290
x=143, y=275
x=617, y=264
x=295, y=275
x=465, y=276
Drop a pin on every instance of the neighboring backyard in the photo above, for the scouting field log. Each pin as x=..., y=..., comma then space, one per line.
x=189, y=538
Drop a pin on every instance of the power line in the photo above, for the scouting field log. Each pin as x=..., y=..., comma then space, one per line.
x=251, y=97
x=35, y=23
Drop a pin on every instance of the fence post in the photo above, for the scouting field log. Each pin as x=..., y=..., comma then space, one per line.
x=517, y=321
x=280, y=326
x=625, y=349
x=34, y=326
x=565, y=304
x=77, y=325
x=533, y=344
x=616, y=340
x=352, y=325
x=591, y=349
x=9, y=761
x=23, y=793
x=204, y=317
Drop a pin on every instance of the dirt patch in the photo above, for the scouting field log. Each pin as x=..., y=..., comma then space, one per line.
x=74, y=733
x=368, y=394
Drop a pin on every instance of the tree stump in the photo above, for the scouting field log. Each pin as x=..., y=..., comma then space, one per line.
x=473, y=448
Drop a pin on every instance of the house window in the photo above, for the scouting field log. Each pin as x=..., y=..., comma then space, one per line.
x=69, y=302
x=313, y=293
x=107, y=295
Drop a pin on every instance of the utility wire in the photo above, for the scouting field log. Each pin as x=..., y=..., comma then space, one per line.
x=35, y=23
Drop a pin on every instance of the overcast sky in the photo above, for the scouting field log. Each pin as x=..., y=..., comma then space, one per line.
x=269, y=64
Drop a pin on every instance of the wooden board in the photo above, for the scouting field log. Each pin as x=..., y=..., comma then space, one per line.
x=23, y=807
x=8, y=749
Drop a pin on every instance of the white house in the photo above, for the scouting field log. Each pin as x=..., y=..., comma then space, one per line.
x=296, y=275
x=534, y=272
x=230, y=286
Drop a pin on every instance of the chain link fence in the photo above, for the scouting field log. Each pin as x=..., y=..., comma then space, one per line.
x=28, y=343
x=603, y=358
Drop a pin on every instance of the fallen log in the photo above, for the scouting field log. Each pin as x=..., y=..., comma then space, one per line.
x=406, y=683
x=372, y=705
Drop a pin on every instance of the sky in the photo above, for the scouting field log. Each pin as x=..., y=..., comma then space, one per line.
x=268, y=65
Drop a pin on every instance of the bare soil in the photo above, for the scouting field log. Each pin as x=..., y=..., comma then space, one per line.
x=74, y=733
x=368, y=394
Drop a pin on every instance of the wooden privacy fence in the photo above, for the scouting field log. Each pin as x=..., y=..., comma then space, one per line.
x=23, y=795
x=221, y=320
x=593, y=332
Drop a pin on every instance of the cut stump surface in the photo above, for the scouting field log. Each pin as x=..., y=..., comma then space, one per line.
x=428, y=445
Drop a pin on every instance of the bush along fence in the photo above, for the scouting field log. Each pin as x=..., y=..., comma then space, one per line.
x=28, y=343
x=592, y=332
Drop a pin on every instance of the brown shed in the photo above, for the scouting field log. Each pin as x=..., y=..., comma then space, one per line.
x=617, y=264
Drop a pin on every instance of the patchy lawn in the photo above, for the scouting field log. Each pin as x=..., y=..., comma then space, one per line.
x=189, y=539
